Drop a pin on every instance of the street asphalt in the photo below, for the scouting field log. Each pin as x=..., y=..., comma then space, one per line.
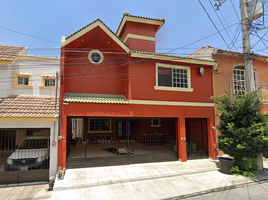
x=167, y=180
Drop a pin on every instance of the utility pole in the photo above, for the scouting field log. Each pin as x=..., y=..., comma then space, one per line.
x=245, y=23
x=248, y=14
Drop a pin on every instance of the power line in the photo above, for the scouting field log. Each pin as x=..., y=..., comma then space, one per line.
x=28, y=35
x=213, y=23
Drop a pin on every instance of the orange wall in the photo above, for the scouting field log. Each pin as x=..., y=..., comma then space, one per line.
x=224, y=75
x=116, y=110
x=202, y=85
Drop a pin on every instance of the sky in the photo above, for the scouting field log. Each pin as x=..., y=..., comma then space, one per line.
x=189, y=24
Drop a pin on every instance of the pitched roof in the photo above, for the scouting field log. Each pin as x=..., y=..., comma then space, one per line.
x=87, y=28
x=127, y=16
x=9, y=53
x=28, y=107
x=95, y=98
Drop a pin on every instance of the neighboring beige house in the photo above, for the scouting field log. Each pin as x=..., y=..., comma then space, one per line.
x=27, y=110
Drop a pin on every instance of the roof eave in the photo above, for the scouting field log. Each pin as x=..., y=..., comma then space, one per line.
x=140, y=20
x=73, y=37
x=173, y=58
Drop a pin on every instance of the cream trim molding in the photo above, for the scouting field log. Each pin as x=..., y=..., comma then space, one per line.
x=171, y=103
x=91, y=27
x=156, y=87
x=173, y=58
x=27, y=119
x=139, y=37
x=173, y=89
x=39, y=58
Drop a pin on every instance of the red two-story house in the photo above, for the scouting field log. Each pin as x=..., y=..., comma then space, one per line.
x=122, y=103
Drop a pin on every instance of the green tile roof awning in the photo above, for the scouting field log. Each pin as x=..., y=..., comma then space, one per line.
x=95, y=98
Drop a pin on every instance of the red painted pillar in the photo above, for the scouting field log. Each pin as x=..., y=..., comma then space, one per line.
x=182, y=139
x=212, y=139
x=62, y=146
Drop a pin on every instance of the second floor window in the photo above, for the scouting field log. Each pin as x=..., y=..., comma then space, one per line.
x=239, y=77
x=23, y=80
x=49, y=82
x=173, y=78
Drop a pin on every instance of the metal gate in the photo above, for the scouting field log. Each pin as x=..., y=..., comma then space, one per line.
x=24, y=155
x=196, y=138
x=96, y=142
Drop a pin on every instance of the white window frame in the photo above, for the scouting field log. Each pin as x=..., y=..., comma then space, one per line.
x=243, y=82
x=188, y=89
x=43, y=85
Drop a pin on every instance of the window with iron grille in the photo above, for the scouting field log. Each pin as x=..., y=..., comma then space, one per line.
x=155, y=122
x=99, y=125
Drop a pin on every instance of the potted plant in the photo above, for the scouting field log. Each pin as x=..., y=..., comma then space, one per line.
x=243, y=130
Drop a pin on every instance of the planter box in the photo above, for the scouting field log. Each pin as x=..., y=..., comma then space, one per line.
x=226, y=164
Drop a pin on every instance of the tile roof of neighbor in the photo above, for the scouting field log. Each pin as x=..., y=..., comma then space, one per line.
x=28, y=107
x=95, y=98
x=9, y=53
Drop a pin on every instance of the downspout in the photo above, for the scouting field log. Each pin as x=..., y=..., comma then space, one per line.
x=61, y=82
x=56, y=96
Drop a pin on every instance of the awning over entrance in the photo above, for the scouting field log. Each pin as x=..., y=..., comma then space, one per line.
x=95, y=98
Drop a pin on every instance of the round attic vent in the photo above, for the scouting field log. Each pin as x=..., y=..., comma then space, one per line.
x=95, y=57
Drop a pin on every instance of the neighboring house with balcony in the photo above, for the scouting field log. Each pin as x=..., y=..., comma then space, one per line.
x=123, y=103
x=27, y=109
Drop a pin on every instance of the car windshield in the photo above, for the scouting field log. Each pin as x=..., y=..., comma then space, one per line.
x=34, y=144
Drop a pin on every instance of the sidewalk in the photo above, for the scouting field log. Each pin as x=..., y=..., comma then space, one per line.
x=141, y=181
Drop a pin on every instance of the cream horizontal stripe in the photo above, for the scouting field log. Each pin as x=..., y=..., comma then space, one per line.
x=27, y=119
x=171, y=103
x=140, y=37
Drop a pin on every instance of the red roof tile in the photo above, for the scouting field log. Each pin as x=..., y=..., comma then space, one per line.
x=28, y=107
x=9, y=53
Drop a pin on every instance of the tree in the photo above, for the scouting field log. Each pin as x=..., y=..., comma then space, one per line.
x=243, y=128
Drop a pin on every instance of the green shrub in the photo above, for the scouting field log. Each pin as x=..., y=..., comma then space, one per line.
x=243, y=129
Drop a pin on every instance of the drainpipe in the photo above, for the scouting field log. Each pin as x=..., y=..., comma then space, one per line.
x=56, y=96
x=61, y=82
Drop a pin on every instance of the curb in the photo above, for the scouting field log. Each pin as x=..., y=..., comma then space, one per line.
x=219, y=189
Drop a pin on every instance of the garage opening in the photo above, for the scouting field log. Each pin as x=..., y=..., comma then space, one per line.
x=120, y=141
x=24, y=155
x=196, y=138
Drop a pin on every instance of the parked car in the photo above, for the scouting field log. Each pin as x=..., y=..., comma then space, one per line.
x=32, y=153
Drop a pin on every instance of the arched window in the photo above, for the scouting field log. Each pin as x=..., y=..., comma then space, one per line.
x=239, y=77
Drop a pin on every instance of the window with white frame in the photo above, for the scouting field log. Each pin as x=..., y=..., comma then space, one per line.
x=23, y=80
x=173, y=77
x=239, y=77
x=50, y=82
